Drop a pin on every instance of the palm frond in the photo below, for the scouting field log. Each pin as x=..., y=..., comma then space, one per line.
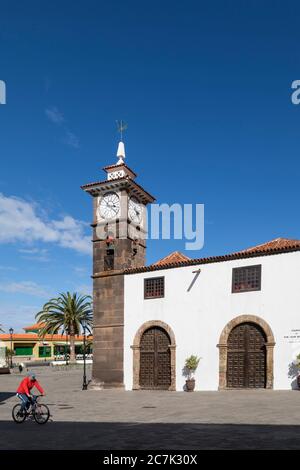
x=66, y=313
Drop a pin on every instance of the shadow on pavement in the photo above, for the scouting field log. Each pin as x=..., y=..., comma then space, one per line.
x=6, y=395
x=133, y=436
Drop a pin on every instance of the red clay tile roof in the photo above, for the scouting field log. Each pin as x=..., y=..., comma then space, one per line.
x=273, y=247
x=36, y=337
x=36, y=326
x=116, y=166
x=126, y=181
x=174, y=258
x=277, y=243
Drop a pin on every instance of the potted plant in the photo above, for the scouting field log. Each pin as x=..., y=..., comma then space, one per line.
x=191, y=365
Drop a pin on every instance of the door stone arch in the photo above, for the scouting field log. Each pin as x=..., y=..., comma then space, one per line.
x=136, y=347
x=223, y=348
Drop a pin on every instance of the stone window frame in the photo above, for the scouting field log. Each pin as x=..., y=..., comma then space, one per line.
x=136, y=352
x=223, y=347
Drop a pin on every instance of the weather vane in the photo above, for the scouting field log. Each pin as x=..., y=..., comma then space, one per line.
x=122, y=126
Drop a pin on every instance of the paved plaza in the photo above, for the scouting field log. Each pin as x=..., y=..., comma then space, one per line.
x=113, y=419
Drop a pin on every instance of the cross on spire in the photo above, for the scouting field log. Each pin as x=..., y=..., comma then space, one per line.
x=122, y=126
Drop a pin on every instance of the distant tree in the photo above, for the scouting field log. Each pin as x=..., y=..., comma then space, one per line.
x=66, y=314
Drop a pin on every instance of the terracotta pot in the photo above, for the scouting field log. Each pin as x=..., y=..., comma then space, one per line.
x=190, y=385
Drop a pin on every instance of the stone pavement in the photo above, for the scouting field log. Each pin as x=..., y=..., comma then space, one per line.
x=114, y=419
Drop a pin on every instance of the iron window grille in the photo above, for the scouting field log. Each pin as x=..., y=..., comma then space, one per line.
x=154, y=287
x=246, y=279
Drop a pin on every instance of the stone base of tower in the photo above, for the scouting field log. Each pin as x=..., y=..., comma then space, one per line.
x=106, y=377
x=95, y=384
x=108, y=333
x=108, y=358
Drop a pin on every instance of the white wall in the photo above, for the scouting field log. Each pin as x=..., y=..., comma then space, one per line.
x=197, y=317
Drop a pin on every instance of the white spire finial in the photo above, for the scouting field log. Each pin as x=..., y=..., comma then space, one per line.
x=122, y=126
x=121, y=153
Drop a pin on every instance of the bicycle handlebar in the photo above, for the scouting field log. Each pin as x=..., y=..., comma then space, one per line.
x=36, y=396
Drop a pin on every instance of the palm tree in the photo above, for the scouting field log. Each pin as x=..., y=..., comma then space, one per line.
x=66, y=313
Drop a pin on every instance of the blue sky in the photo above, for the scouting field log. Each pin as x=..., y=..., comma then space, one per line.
x=205, y=88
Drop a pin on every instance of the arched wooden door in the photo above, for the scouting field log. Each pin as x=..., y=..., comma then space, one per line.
x=246, y=357
x=155, y=359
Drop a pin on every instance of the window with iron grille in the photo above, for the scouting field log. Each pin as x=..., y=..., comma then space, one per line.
x=154, y=287
x=247, y=278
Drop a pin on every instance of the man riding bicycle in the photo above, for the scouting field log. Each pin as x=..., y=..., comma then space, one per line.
x=24, y=389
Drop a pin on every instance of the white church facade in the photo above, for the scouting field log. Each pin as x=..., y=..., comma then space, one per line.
x=247, y=334
x=239, y=312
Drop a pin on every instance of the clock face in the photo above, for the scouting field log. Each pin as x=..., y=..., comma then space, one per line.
x=135, y=210
x=109, y=206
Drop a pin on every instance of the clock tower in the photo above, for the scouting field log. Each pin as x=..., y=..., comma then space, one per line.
x=119, y=242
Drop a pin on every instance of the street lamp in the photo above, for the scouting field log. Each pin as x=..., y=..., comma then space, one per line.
x=11, y=331
x=66, y=350
x=84, y=383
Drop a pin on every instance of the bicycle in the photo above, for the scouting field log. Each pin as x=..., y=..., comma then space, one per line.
x=38, y=411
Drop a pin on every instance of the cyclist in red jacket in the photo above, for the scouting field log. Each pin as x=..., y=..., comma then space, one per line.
x=24, y=389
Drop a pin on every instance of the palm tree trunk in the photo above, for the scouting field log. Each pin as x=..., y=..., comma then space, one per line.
x=72, y=348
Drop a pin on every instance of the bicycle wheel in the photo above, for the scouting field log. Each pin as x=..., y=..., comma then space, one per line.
x=16, y=414
x=41, y=414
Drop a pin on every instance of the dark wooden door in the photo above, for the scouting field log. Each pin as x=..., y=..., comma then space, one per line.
x=155, y=359
x=246, y=357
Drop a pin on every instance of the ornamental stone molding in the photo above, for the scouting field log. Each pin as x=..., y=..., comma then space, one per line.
x=136, y=352
x=270, y=343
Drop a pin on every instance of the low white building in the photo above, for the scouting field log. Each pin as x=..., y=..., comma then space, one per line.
x=239, y=313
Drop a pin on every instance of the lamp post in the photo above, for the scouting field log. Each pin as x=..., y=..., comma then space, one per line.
x=66, y=350
x=11, y=331
x=84, y=383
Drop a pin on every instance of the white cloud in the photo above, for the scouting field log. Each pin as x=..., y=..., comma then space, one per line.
x=7, y=268
x=57, y=118
x=30, y=251
x=54, y=115
x=35, y=254
x=24, y=221
x=79, y=270
x=24, y=287
x=71, y=140
x=84, y=289
x=17, y=316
